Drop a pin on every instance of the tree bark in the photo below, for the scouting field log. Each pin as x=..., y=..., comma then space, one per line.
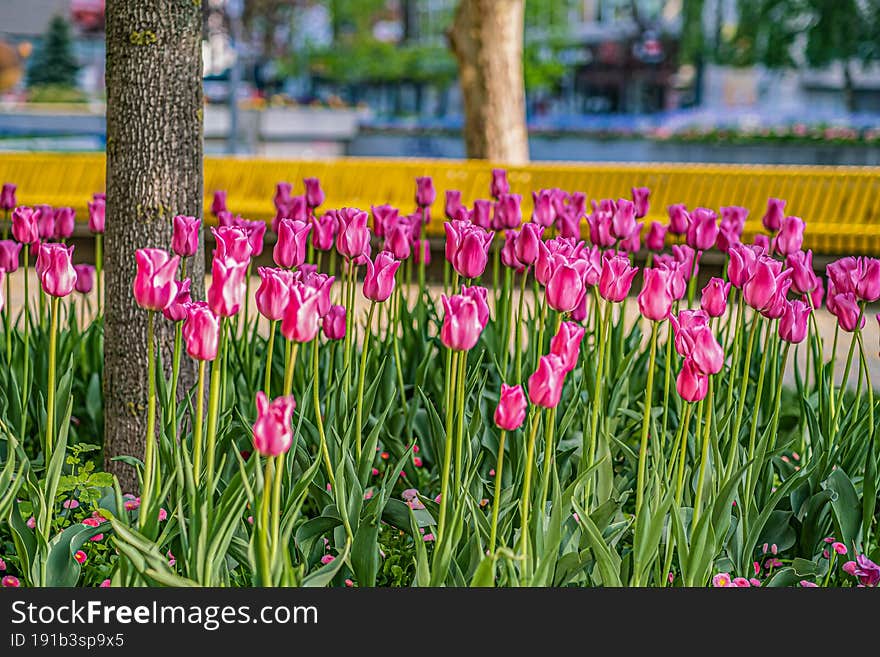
x=487, y=40
x=154, y=172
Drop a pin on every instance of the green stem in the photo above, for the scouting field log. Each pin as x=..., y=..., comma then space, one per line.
x=292, y=351
x=395, y=341
x=150, y=447
x=319, y=421
x=734, y=367
x=704, y=458
x=741, y=402
x=358, y=427
x=276, y=502
x=7, y=317
x=99, y=267
x=198, y=426
x=597, y=397
x=25, y=381
x=175, y=373
x=270, y=347
x=247, y=299
x=525, y=501
x=667, y=374
x=549, y=452
x=756, y=411
x=265, y=568
x=646, y=421
x=50, y=403
x=214, y=408
x=497, y=501
x=508, y=319
x=519, y=321
x=460, y=404
x=447, y=453
x=846, y=371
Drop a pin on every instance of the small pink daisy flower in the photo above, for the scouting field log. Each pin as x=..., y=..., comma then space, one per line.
x=368, y=495
x=327, y=558
x=10, y=582
x=428, y=538
x=492, y=472
x=31, y=522
x=70, y=504
x=722, y=581
x=349, y=583
x=171, y=560
x=755, y=581
x=806, y=584
x=2, y=565
x=417, y=461
x=132, y=504
x=375, y=471
x=840, y=548
x=163, y=515
x=828, y=539
x=415, y=449
x=105, y=584
x=80, y=557
x=757, y=567
x=741, y=582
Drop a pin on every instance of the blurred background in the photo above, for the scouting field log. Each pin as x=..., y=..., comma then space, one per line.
x=763, y=81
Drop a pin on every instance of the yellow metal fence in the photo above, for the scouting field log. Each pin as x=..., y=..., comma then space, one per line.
x=841, y=205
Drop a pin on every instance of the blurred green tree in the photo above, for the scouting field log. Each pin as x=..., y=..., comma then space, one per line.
x=54, y=63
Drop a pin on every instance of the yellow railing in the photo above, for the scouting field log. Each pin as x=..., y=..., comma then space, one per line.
x=841, y=205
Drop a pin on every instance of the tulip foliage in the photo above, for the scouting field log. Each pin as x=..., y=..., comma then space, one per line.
x=558, y=412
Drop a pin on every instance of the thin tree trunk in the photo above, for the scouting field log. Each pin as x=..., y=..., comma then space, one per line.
x=487, y=40
x=849, y=91
x=154, y=172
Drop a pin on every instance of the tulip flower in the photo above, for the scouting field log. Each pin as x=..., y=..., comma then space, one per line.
x=232, y=244
x=679, y=219
x=273, y=293
x=467, y=248
x=324, y=231
x=384, y=216
x=499, y=186
x=733, y=220
x=567, y=344
x=772, y=218
x=333, y=323
x=320, y=284
x=600, y=228
x=714, y=297
x=398, y=240
x=656, y=238
x=803, y=278
x=294, y=208
x=9, y=254
x=282, y=196
x=24, y=225
x=793, y=323
x=616, y=278
x=479, y=295
x=353, y=238
x=201, y=331
x=461, y=322
x=55, y=269
x=425, y=192
x=868, y=283
x=273, y=430
x=97, y=216
x=640, y=196
x=543, y=213
x=255, y=231
x=508, y=252
x=228, y=286
x=579, y=314
x=185, y=238
x=65, y=221
x=85, y=278
x=45, y=221
x=655, y=299
x=290, y=249
x=743, y=259
x=453, y=203
x=155, y=284
x=691, y=384
x=379, y=279
x=545, y=385
x=568, y=223
x=481, y=215
x=218, y=205
x=301, y=320
x=847, y=310
x=632, y=244
x=7, y=197
x=314, y=193
x=623, y=221
x=790, y=237
x=176, y=310
x=508, y=212
x=511, y=410
x=527, y=243
x=566, y=286
x=702, y=230
x=763, y=285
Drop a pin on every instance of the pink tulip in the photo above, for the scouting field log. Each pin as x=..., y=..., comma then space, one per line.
x=656, y=238
x=679, y=219
x=65, y=221
x=579, y=314
x=255, y=231
x=803, y=278
x=508, y=212
x=545, y=385
x=479, y=295
x=273, y=430
x=379, y=279
x=527, y=243
x=499, y=185
x=543, y=213
x=847, y=310
x=232, y=244
x=772, y=219
x=467, y=248
x=791, y=236
x=324, y=231
x=45, y=221
x=228, y=286
x=655, y=299
x=333, y=323
x=868, y=283
x=9, y=254
x=508, y=252
x=511, y=410
x=691, y=384
x=24, y=225
x=273, y=293
x=567, y=344
x=218, y=205
x=85, y=278
x=702, y=230
x=294, y=208
x=282, y=196
x=623, y=221
x=714, y=297
x=568, y=222
x=733, y=220
x=176, y=310
x=686, y=324
x=314, y=193
x=743, y=259
x=844, y=274
x=640, y=196
x=632, y=244
x=384, y=216
x=97, y=216
x=599, y=222
x=399, y=239
x=185, y=239
x=54, y=266
x=7, y=197
x=155, y=284
x=301, y=320
x=290, y=249
x=565, y=287
x=201, y=331
x=353, y=238
x=225, y=218
x=425, y=192
x=793, y=323
x=453, y=203
x=461, y=322
x=482, y=214
x=763, y=286
x=616, y=278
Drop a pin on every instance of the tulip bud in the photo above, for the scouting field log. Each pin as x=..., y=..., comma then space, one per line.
x=623, y=221
x=453, y=203
x=45, y=221
x=461, y=322
x=97, y=216
x=282, y=196
x=155, y=285
x=772, y=219
x=766, y=280
x=543, y=213
x=691, y=384
x=868, y=283
x=228, y=286
x=54, y=266
x=565, y=287
x=314, y=193
x=273, y=430
x=379, y=279
x=679, y=219
x=616, y=278
x=201, y=331
x=399, y=240
x=742, y=264
x=793, y=323
x=640, y=196
x=702, y=230
x=65, y=221
x=320, y=284
x=714, y=298
x=508, y=212
x=85, y=278
x=301, y=317
x=353, y=238
x=803, y=278
x=791, y=236
x=218, y=205
x=499, y=185
x=656, y=238
x=333, y=323
x=508, y=251
x=273, y=293
x=293, y=208
x=479, y=295
x=600, y=228
x=527, y=243
x=545, y=385
x=324, y=231
x=655, y=299
x=847, y=310
x=482, y=214
x=7, y=197
x=232, y=244
x=425, y=192
x=255, y=231
x=567, y=344
x=511, y=410
x=290, y=249
x=9, y=254
x=24, y=225
x=632, y=243
x=176, y=310
x=568, y=222
x=185, y=239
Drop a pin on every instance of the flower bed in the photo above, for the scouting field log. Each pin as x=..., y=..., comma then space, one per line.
x=514, y=431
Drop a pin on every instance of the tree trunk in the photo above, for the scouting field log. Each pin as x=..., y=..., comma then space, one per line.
x=487, y=40
x=154, y=172
x=849, y=91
